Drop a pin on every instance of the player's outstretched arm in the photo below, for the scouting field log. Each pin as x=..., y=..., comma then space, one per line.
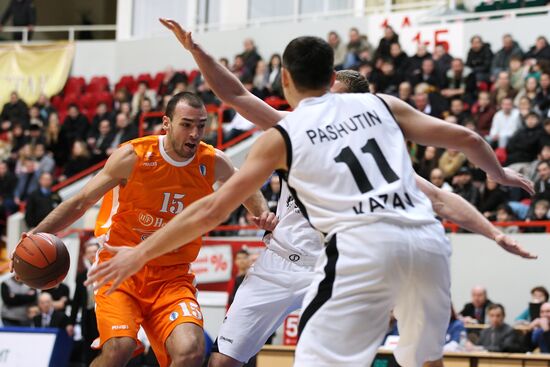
x=116, y=170
x=255, y=204
x=454, y=208
x=267, y=155
x=427, y=130
x=224, y=84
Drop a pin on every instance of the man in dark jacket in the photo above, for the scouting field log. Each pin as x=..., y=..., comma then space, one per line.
x=463, y=186
x=540, y=51
x=523, y=146
x=501, y=61
x=42, y=201
x=480, y=58
x=8, y=183
x=15, y=111
x=475, y=311
x=500, y=337
x=23, y=13
x=75, y=127
x=49, y=317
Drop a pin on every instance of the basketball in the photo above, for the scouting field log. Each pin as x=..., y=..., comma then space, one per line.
x=41, y=261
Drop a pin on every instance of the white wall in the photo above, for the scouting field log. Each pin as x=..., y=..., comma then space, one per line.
x=508, y=279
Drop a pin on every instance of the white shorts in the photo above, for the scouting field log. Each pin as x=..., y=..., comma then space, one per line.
x=272, y=289
x=366, y=272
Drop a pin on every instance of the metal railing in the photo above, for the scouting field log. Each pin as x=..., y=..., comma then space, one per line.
x=69, y=29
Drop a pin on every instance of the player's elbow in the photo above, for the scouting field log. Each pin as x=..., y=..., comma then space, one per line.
x=468, y=139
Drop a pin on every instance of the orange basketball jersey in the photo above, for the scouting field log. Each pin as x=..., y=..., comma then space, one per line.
x=158, y=189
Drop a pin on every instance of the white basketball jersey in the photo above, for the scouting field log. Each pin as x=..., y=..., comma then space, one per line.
x=293, y=234
x=349, y=165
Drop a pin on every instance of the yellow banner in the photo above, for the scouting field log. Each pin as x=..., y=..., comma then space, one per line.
x=31, y=70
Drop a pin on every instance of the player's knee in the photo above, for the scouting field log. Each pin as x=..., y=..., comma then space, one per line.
x=221, y=360
x=190, y=353
x=118, y=351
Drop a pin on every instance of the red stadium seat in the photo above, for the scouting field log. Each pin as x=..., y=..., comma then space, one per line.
x=74, y=85
x=107, y=98
x=146, y=77
x=88, y=101
x=68, y=100
x=192, y=75
x=98, y=84
x=128, y=82
x=155, y=83
x=56, y=101
x=276, y=102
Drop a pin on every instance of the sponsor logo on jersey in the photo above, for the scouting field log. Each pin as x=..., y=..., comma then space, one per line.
x=173, y=316
x=120, y=327
x=294, y=257
x=150, y=164
x=145, y=219
x=202, y=168
x=226, y=339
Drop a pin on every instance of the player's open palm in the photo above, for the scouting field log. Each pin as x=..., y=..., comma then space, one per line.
x=183, y=36
x=120, y=267
x=515, y=179
x=510, y=245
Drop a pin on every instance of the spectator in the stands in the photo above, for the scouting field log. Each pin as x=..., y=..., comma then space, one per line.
x=387, y=79
x=121, y=96
x=540, y=51
x=34, y=115
x=429, y=161
x=18, y=137
x=8, y=182
x=236, y=127
x=492, y=195
x=242, y=263
x=523, y=147
x=35, y=134
x=438, y=179
x=23, y=14
x=539, y=295
x=525, y=107
x=505, y=123
x=41, y=201
x=480, y=58
x=454, y=331
x=518, y=72
x=545, y=138
x=506, y=214
x=542, y=100
x=45, y=161
x=238, y=67
x=542, y=184
x=15, y=110
x=125, y=108
x=260, y=79
x=460, y=82
x=450, y=162
x=101, y=113
x=400, y=60
x=60, y=296
x=483, y=112
x=457, y=110
x=171, y=78
x=502, y=88
x=416, y=60
x=16, y=298
x=250, y=56
x=427, y=74
x=274, y=76
x=499, y=336
x=383, y=49
x=124, y=131
x=529, y=90
x=427, y=101
x=339, y=49
x=357, y=43
x=150, y=124
x=463, y=185
x=75, y=126
x=78, y=161
x=142, y=93
x=54, y=141
x=501, y=60
x=475, y=312
x=540, y=336
x=404, y=92
x=272, y=192
x=101, y=142
x=442, y=60
x=540, y=212
x=45, y=107
x=49, y=317
x=27, y=180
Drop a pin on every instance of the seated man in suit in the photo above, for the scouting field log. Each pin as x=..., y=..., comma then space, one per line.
x=475, y=311
x=499, y=337
x=48, y=316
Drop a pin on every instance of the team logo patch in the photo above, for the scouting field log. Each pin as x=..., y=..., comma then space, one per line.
x=202, y=168
x=145, y=219
x=174, y=315
x=294, y=257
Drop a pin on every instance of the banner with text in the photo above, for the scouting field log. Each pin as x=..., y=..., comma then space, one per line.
x=35, y=69
x=214, y=264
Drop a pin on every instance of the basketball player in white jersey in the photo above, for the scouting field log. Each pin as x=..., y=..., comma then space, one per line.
x=276, y=284
x=346, y=163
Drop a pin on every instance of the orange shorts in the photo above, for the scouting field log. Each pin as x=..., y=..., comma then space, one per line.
x=158, y=298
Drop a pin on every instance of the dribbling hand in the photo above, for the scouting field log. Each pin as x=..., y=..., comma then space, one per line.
x=184, y=37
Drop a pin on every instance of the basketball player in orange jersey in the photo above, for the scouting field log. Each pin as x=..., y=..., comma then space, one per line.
x=145, y=183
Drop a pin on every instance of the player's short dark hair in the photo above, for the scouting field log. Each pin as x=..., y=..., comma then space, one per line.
x=310, y=62
x=354, y=81
x=191, y=99
x=495, y=306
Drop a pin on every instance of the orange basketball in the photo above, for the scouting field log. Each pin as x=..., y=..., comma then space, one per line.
x=41, y=260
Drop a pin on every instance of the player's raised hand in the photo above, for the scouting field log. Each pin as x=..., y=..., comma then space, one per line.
x=267, y=220
x=510, y=245
x=183, y=36
x=512, y=178
x=120, y=267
